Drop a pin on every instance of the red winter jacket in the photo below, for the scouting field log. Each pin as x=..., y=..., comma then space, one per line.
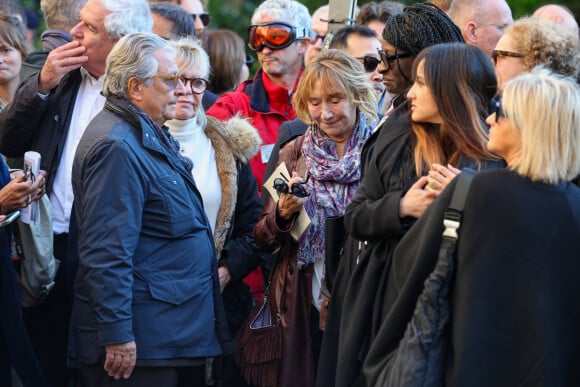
x=266, y=105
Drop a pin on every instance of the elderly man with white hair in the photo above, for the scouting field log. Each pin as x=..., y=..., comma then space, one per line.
x=147, y=305
x=49, y=114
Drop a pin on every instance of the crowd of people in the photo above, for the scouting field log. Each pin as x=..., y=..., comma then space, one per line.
x=239, y=224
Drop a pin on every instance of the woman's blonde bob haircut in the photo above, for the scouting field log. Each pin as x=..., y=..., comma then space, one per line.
x=190, y=56
x=332, y=70
x=545, y=108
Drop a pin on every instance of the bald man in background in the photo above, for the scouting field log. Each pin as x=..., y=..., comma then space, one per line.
x=482, y=22
x=559, y=15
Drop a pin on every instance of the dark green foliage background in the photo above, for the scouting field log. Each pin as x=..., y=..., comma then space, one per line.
x=235, y=14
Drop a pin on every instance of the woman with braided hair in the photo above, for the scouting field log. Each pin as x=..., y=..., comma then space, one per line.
x=384, y=206
x=405, y=35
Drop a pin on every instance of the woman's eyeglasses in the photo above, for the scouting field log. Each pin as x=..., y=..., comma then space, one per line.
x=499, y=53
x=275, y=36
x=297, y=189
x=197, y=85
x=204, y=17
x=388, y=59
x=495, y=106
x=370, y=63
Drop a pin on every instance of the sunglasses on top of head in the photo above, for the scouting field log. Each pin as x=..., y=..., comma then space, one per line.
x=370, y=63
x=495, y=106
x=204, y=17
x=275, y=36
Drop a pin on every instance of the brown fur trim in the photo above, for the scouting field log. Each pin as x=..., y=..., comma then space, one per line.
x=232, y=140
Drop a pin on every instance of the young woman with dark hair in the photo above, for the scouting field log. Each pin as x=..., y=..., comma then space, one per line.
x=449, y=103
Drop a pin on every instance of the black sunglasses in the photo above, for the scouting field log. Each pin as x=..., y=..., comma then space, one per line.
x=388, y=59
x=204, y=17
x=297, y=189
x=495, y=106
x=370, y=63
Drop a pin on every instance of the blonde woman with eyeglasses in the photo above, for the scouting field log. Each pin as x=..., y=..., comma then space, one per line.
x=220, y=152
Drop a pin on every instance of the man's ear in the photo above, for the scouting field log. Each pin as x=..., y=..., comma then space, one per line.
x=470, y=33
x=135, y=89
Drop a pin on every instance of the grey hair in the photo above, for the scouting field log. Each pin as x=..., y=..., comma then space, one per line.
x=188, y=54
x=61, y=14
x=132, y=56
x=289, y=11
x=127, y=17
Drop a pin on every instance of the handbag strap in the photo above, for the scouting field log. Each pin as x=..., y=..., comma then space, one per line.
x=453, y=215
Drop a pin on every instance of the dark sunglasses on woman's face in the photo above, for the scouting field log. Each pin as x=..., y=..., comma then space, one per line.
x=388, y=59
x=297, y=189
x=275, y=36
x=495, y=106
x=370, y=63
x=204, y=17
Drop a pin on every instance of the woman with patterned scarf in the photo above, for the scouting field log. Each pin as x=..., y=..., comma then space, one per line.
x=338, y=103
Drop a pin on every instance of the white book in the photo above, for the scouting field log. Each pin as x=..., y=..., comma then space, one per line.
x=31, y=170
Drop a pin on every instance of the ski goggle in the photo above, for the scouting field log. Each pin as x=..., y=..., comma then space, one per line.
x=275, y=36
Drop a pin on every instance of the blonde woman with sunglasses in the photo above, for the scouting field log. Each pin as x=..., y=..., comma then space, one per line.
x=515, y=298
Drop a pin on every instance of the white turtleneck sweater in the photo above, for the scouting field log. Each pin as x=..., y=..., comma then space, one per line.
x=193, y=143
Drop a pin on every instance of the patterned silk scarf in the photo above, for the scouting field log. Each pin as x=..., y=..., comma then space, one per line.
x=332, y=184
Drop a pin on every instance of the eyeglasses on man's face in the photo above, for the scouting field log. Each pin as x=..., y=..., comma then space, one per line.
x=495, y=107
x=500, y=53
x=297, y=189
x=388, y=59
x=275, y=36
x=204, y=17
x=370, y=63
x=170, y=80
